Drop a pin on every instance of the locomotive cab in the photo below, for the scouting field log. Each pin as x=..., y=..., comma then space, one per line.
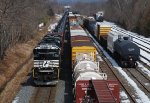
x=46, y=63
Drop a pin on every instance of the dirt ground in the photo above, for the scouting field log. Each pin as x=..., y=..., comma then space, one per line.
x=16, y=65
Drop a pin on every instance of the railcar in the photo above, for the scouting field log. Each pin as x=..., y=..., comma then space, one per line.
x=118, y=44
x=126, y=52
x=99, y=30
x=97, y=91
x=86, y=73
x=99, y=16
x=81, y=44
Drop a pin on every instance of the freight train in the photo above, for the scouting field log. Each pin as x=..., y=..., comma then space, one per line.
x=90, y=85
x=47, y=55
x=120, y=45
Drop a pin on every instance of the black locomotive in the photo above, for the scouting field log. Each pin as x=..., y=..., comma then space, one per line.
x=47, y=60
x=47, y=55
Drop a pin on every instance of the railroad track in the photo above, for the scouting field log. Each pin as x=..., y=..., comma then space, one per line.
x=146, y=75
x=146, y=49
x=145, y=41
x=44, y=95
x=125, y=85
x=144, y=58
x=107, y=68
x=140, y=79
x=131, y=34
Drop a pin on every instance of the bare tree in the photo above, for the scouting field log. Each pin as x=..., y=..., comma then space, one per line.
x=131, y=14
x=19, y=20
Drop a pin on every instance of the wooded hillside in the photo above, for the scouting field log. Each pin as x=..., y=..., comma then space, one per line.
x=19, y=20
x=133, y=15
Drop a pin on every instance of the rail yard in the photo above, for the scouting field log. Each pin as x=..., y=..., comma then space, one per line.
x=84, y=61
